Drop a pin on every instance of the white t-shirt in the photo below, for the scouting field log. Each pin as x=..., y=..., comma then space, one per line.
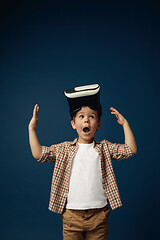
x=86, y=188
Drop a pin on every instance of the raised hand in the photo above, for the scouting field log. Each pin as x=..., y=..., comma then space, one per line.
x=34, y=119
x=120, y=119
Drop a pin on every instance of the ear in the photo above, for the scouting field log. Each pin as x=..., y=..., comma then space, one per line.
x=73, y=124
x=99, y=125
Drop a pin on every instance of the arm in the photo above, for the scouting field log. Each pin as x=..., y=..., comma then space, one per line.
x=36, y=148
x=129, y=137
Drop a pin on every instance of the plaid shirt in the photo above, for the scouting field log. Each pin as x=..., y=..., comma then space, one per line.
x=62, y=154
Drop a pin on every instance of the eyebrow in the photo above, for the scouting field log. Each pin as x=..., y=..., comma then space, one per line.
x=89, y=113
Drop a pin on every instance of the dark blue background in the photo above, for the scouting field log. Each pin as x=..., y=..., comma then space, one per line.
x=49, y=47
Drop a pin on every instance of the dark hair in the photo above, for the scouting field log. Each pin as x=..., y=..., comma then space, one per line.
x=73, y=114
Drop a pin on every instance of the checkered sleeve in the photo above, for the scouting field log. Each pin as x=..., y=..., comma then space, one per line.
x=119, y=151
x=49, y=153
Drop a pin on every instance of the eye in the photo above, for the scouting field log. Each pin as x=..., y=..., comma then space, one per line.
x=80, y=116
x=92, y=116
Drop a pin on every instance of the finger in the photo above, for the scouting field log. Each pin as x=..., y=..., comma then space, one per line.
x=35, y=111
x=114, y=110
x=117, y=114
x=114, y=113
x=37, y=108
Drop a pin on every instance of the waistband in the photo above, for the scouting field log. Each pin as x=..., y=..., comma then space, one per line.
x=92, y=210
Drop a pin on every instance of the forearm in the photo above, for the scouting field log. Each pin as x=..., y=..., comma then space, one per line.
x=36, y=148
x=129, y=137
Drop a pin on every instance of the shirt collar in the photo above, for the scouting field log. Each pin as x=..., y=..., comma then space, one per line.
x=76, y=140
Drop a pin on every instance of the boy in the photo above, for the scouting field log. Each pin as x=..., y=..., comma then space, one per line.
x=83, y=180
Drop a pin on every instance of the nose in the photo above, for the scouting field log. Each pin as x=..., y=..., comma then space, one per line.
x=86, y=119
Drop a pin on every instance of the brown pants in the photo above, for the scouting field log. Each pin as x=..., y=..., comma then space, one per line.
x=92, y=224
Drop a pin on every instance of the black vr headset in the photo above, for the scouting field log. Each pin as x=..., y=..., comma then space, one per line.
x=88, y=95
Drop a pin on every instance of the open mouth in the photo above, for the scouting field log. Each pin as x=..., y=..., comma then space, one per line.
x=86, y=130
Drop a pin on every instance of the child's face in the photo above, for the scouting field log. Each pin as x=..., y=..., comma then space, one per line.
x=86, y=123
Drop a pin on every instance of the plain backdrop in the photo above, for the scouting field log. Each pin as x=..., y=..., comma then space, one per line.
x=50, y=46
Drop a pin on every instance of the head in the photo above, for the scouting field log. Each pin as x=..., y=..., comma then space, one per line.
x=86, y=122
